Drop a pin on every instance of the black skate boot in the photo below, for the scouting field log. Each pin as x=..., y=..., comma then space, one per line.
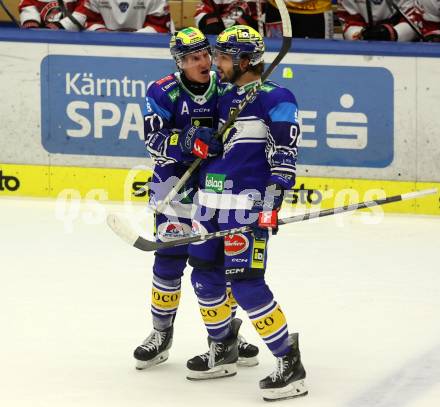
x=247, y=353
x=219, y=361
x=287, y=381
x=154, y=349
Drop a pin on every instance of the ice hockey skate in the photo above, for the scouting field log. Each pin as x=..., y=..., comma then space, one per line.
x=247, y=353
x=154, y=349
x=287, y=381
x=219, y=361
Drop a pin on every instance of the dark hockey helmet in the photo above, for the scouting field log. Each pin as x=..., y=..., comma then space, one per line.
x=241, y=41
x=187, y=41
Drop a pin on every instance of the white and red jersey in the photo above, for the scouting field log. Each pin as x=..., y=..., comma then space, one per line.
x=222, y=9
x=354, y=17
x=42, y=11
x=122, y=15
x=427, y=16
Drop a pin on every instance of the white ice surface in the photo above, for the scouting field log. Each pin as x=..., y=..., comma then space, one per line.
x=74, y=304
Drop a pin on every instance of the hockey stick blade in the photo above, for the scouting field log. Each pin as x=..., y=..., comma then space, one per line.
x=250, y=95
x=126, y=234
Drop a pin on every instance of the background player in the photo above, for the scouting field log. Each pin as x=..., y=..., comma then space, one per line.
x=372, y=20
x=148, y=16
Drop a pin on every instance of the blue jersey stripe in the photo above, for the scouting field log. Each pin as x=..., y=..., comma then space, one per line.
x=284, y=112
x=151, y=107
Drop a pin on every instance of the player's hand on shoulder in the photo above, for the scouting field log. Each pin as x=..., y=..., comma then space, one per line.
x=200, y=142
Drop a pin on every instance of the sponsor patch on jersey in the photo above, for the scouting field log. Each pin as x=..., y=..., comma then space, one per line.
x=174, y=139
x=169, y=85
x=123, y=6
x=202, y=121
x=258, y=254
x=172, y=230
x=198, y=229
x=236, y=244
x=165, y=79
x=174, y=94
x=215, y=182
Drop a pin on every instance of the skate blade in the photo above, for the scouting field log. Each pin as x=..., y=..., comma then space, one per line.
x=214, y=373
x=294, y=389
x=247, y=362
x=142, y=364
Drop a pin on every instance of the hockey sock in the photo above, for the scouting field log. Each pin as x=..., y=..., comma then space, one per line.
x=216, y=314
x=165, y=297
x=231, y=298
x=271, y=325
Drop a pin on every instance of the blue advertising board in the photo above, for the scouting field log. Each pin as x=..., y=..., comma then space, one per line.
x=93, y=106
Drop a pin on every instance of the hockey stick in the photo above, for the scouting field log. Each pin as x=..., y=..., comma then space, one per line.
x=127, y=234
x=285, y=47
x=66, y=12
x=10, y=15
x=392, y=5
x=369, y=14
x=260, y=18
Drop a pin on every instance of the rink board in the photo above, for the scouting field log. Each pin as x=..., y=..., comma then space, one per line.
x=109, y=184
x=73, y=117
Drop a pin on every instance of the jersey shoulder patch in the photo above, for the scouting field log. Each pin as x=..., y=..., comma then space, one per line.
x=165, y=79
x=167, y=87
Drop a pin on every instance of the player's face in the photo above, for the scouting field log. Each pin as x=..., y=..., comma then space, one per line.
x=225, y=66
x=197, y=66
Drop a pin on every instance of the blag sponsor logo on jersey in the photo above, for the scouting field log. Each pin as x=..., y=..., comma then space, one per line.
x=215, y=182
x=348, y=125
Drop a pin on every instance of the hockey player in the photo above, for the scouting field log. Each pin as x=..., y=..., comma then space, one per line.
x=243, y=185
x=42, y=13
x=310, y=19
x=213, y=16
x=427, y=17
x=176, y=109
x=375, y=20
x=147, y=16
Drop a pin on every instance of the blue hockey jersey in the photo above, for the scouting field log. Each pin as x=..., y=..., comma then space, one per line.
x=260, y=148
x=169, y=107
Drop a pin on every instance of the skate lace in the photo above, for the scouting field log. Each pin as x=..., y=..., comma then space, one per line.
x=282, y=365
x=242, y=344
x=154, y=340
x=214, y=350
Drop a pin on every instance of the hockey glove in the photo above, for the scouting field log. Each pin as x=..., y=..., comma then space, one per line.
x=30, y=24
x=199, y=141
x=267, y=211
x=380, y=32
